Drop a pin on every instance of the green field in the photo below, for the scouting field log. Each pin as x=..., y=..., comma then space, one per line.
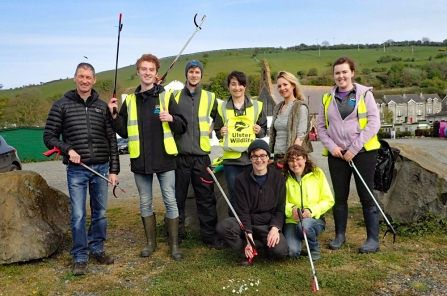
x=234, y=59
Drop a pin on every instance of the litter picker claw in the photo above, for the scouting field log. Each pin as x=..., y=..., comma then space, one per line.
x=120, y=26
x=251, y=242
x=390, y=227
x=58, y=152
x=315, y=286
x=198, y=28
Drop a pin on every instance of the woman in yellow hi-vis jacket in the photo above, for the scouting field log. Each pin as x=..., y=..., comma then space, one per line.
x=240, y=121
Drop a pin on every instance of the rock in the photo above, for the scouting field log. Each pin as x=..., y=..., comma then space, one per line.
x=419, y=187
x=33, y=217
x=191, y=220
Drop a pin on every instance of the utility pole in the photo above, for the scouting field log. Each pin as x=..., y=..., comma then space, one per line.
x=318, y=48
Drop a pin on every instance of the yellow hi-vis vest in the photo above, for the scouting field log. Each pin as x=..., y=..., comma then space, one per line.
x=132, y=126
x=205, y=105
x=240, y=129
x=372, y=143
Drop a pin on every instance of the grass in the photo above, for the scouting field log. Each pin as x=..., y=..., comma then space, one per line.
x=206, y=271
x=234, y=59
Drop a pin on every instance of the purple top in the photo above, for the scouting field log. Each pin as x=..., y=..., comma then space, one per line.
x=346, y=133
x=342, y=94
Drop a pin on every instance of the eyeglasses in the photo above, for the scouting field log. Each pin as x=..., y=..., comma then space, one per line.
x=261, y=157
x=296, y=159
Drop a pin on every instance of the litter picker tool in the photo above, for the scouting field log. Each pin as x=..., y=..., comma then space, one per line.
x=198, y=28
x=315, y=287
x=390, y=227
x=252, y=243
x=58, y=151
x=120, y=26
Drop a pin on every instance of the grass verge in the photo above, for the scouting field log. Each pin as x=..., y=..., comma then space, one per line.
x=205, y=271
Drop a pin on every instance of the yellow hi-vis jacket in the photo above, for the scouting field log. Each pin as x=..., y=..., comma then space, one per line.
x=205, y=105
x=372, y=143
x=132, y=126
x=240, y=129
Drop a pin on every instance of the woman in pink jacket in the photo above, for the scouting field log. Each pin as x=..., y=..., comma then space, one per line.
x=348, y=121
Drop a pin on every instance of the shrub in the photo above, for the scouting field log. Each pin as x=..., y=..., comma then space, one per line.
x=379, y=69
x=366, y=71
x=383, y=135
x=312, y=72
x=403, y=134
x=300, y=73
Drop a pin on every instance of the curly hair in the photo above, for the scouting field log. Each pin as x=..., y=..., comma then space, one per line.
x=293, y=152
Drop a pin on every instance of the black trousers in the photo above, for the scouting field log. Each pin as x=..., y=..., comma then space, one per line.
x=341, y=172
x=230, y=231
x=192, y=169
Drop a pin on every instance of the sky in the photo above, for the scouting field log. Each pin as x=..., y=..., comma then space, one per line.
x=44, y=40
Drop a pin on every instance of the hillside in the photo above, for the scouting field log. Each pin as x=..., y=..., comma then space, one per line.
x=242, y=59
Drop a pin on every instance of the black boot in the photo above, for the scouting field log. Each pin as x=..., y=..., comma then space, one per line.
x=372, y=230
x=173, y=239
x=340, y=219
x=149, y=224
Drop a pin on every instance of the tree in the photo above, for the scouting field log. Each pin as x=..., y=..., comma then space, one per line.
x=412, y=76
x=3, y=102
x=389, y=42
x=389, y=117
x=1, y=86
x=254, y=84
x=27, y=109
x=325, y=43
x=425, y=40
x=218, y=85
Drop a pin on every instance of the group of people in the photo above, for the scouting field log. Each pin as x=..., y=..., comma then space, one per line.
x=168, y=135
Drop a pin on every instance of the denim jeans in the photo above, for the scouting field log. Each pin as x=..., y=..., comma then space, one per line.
x=294, y=234
x=230, y=172
x=167, y=186
x=79, y=179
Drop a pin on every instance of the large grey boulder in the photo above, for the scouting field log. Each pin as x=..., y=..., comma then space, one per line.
x=33, y=217
x=419, y=187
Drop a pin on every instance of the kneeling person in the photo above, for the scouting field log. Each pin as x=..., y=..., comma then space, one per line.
x=308, y=191
x=260, y=202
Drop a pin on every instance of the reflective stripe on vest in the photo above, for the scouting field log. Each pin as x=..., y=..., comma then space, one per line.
x=204, y=113
x=132, y=126
x=240, y=129
x=372, y=143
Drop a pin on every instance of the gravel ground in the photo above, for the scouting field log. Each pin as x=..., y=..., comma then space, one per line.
x=55, y=173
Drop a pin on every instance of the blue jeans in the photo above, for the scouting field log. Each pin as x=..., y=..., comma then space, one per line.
x=294, y=234
x=167, y=186
x=79, y=179
x=230, y=172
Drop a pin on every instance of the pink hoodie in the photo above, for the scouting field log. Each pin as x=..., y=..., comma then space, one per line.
x=346, y=133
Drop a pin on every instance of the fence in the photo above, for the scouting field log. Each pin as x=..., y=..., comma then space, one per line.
x=27, y=141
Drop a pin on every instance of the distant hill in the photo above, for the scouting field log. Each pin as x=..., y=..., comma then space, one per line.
x=246, y=60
